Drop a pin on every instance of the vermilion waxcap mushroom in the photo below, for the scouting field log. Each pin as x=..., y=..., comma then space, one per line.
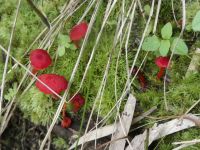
x=77, y=102
x=78, y=32
x=40, y=59
x=141, y=78
x=56, y=82
x=162, y=63
x=66, y=122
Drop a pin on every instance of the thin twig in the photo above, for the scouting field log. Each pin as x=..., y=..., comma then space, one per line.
x=39, y=13
x=157, y=15
x=7, y=57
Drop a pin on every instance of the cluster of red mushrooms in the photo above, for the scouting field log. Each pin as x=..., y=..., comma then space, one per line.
x=40, y=60
x=161, y=62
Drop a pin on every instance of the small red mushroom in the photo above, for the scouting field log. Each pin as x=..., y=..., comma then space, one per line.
x=39, y=59
x=78, y=32
x=162, y=63
x=64, y=110
x=77, y=102
x=141, y=78
x=56, y=82
x=66, y=122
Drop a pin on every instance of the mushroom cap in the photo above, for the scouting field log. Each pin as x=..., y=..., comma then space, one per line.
x=77, y=102
x=40, y=59
x=55, y=82
x=79, y=99
x=162, y=62
x=66, y=122
x=78, y=31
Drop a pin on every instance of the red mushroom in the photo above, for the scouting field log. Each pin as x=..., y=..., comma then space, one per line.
x=78, y=32
x=56, y=82
x=162, y=63
x=77, y=102
x=39, y=59
x=141, y=78
x=66, y=122
x=64, y=110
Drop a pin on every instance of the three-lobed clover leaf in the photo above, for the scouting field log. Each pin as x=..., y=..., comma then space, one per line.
x=166, y=31
x=164, y=47
x=61, y=50
x=196, y=22
x=64, y=42
x=179, y=47
x=151, y=43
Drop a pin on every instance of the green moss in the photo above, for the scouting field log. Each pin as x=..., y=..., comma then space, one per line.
x=181, y=92
x=190, y=134
x=180, y=96
x=60, y=143
x=37, y=107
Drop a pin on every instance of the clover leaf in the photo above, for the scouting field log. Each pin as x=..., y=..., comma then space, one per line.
x=179, y=47
x=166, y=31
x=151, y=43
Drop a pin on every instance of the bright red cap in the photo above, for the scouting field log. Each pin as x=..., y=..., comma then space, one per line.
x=66, y=122
x=77, y=102
x=40, y=59
x=78, y=31
x=162, y=62
x=55, y=82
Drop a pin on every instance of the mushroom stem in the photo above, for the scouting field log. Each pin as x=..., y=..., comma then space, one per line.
x=63, y=110
x=142, y=81
x=76, y=43
x=34, y=71
x=160, y=73
x=54, y=97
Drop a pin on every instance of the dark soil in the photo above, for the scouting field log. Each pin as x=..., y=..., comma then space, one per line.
x=21, y=134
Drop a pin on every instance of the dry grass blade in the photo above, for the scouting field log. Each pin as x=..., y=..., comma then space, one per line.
x=194, y=64
x=164, y=129
x=7, y=57
x=39, y=13
x=184, y=144
x=107, y=130
x=145, y=114
x=95, y=134
x=139, y=142
x=123, y=126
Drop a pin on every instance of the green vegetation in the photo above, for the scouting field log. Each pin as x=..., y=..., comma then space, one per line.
x=181, y=92
x=60, y=143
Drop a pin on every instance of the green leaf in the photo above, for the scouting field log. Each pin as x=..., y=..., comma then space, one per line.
x=112, y=22
x=179, y=47
x=72, y=47
x=63, y=40
x=166, y=31
x=61, y=51
x=151, y=43
x=147, y=9
x=196, y=22
x=164, y=47
x=149, y=29
x=67, y=45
